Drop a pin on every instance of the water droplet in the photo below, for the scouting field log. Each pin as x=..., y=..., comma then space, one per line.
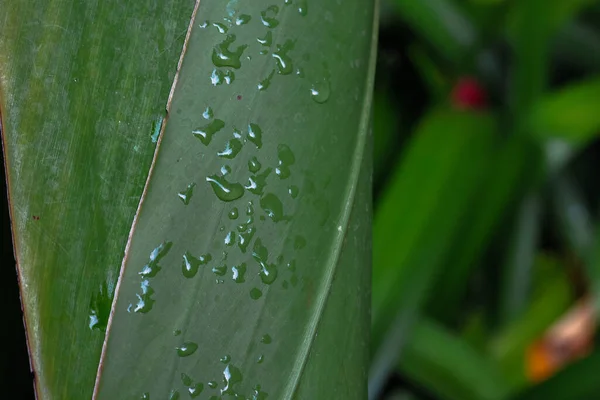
x=222, y=28
x=272, y=206
x=239, y=273
x=208, y=113
x=291, y=265
x=156, y=127
x=268, y=272
x=284, y=284
x=220, y=270
x=233, y=213
x=260, y=252
x=186, y=195
x=260, y=359
x=229, y=239
x=255, y=294
x=203, y=25
x=254, y=165
x=186, y=349
x=243, y=19
x=225, y=359
x=258, y=394
x=225, y=190
x=299, y=243
x=245, y=238
x=225, y=169
x=186, y=380
x=244, y=227
x=266, y=339
x=257, y=183
x=151, y=268
x=265, y=83
x=285, y=155
x=267, y=40
x=195, y=390
x=145, y=396
x=218, y=77
x=250, y=208
x=206, y=132
x=293, y=191
x=177, y=332
x=282, y=60
x=100, y=305
x=232, y=148
x=320, y=91
x=190, y=264
x=213, y=384
x=231, y=376
x=303, y=8
x=268, y=16
x=255, y=135
x=300, y=72
x=174, y=395
x=223, y=56
x=145, y=300
x=286, y=159
x=294, y=280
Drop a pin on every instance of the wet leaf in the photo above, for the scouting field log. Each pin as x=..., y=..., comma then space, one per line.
x=246, y=180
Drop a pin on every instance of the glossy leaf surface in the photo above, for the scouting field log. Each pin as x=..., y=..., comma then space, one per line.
x=237, y=253
x=249, y=261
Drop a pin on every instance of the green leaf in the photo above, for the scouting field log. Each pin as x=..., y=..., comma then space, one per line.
x=300, y=309
x=441, y=23
x=576, y=225
x=531, y=47
x=514, y=166
x=429, y=194
x=517, y=268
x=82, y=85
x=530, y=32
x=281, y=303
x=447, y=365
x=570, y=114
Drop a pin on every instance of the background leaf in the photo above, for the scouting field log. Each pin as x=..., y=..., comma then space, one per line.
x=441, y=168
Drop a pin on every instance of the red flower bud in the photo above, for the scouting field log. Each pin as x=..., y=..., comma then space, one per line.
x=468, y=94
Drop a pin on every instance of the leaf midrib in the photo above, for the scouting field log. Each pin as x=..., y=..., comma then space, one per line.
x=333, y=261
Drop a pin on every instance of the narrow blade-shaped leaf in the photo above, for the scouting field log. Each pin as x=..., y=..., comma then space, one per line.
x=238, y=277
x=82, y=85
x=441, y=170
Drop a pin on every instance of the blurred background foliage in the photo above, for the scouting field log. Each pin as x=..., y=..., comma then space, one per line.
x=486, y=276
x=486, y=260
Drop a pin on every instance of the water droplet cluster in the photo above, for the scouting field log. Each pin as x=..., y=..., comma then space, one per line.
x=231, y=378
x=255, y=198
x=228, y=54
x=145, y=299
